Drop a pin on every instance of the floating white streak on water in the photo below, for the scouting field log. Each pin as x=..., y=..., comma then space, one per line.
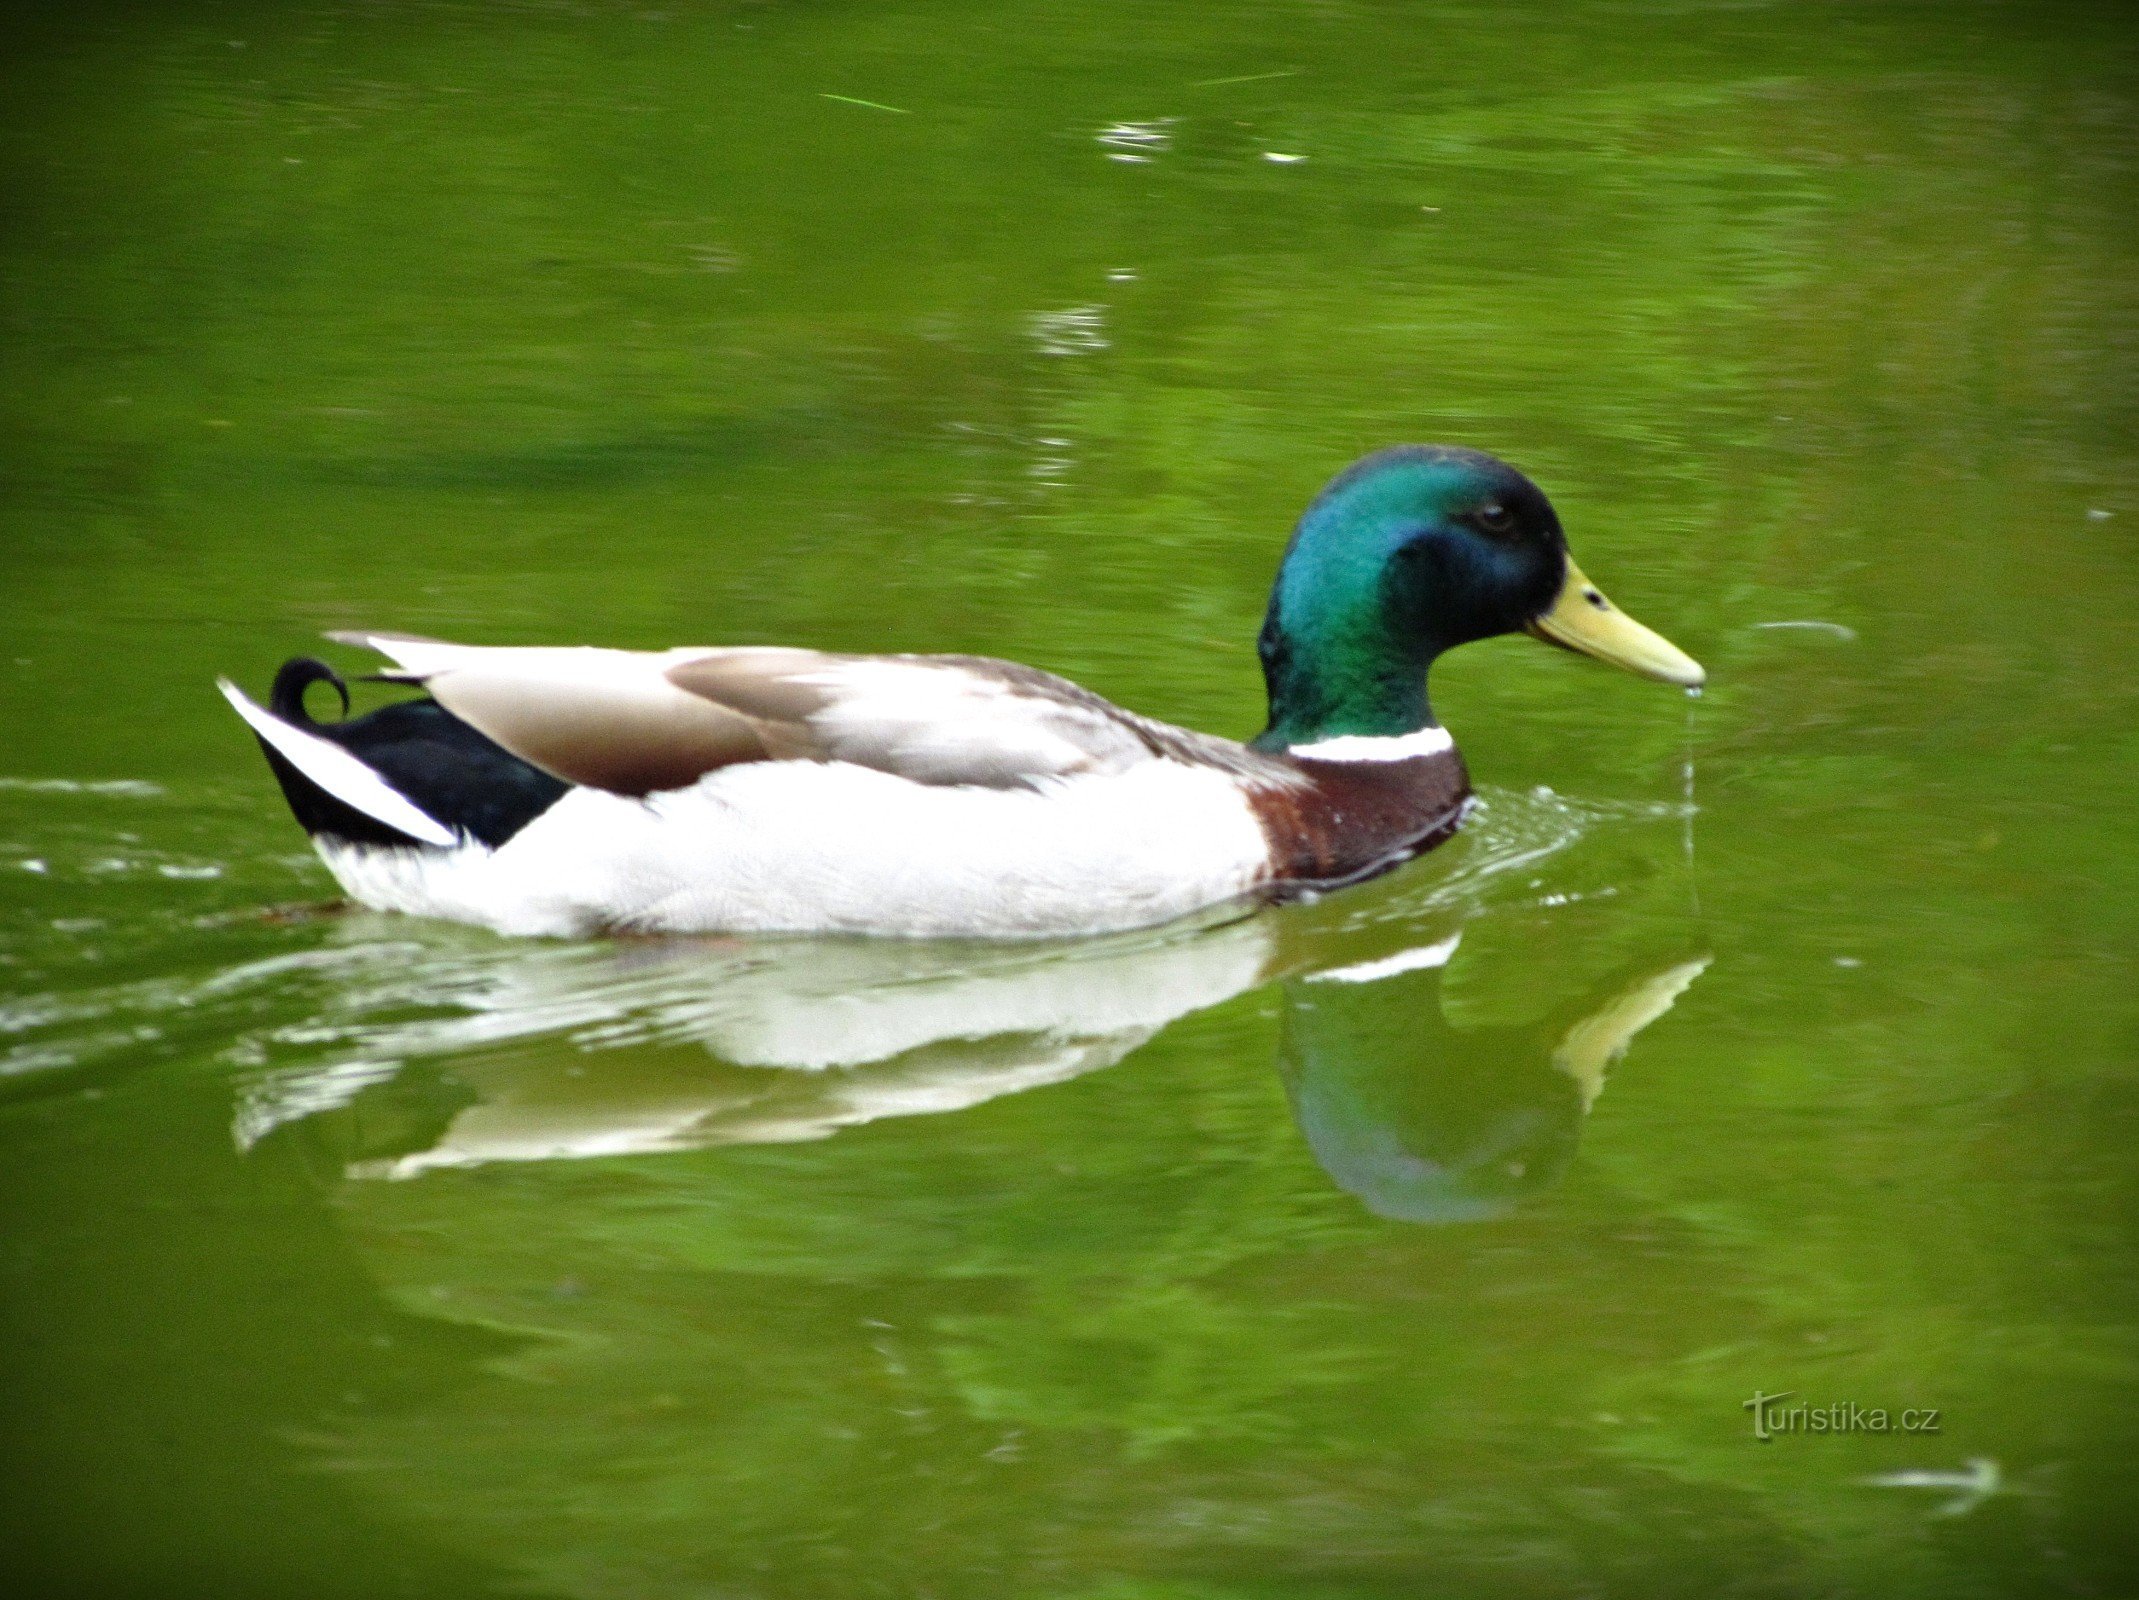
x=117, y=788
x=1426, y=955
x=325, y=1089
x=1138, y=140
x=35, y=1058
x=395, y=955
x=112, y=866
x=1812, y=625
x=1073, y=331
x=1983, y=1479
x=1571, y=897
x=1248, y=77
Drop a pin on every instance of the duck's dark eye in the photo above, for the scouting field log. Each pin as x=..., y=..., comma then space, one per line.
x=1495, y=518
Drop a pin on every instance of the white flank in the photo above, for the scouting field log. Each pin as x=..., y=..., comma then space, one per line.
x=1366, y=747
x=829, y=847
x=338, y=772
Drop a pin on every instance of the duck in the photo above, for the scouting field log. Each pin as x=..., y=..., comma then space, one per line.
x=575, y=791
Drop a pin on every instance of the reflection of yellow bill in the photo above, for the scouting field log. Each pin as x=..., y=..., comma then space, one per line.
x=1582, y=619
x=1594, y=1043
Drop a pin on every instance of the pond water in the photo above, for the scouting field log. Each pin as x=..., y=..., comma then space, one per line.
x=1431, y=1239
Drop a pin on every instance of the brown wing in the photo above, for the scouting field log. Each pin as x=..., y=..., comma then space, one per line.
x=609, y=719
x=949, y=719
x=637, y=721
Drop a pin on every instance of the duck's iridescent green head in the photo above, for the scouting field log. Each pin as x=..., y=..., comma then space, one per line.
x=1412, y=551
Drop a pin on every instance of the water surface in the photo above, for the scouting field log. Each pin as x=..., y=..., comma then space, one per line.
x=1427, y=1240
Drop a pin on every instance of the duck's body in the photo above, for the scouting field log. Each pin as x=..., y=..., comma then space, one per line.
x=565, y=791
x=927, y=796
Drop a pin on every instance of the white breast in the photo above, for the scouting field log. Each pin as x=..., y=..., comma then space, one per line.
x=809, y=847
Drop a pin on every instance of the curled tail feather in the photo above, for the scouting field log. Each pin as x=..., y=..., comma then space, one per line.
x=408, y=775
x=287, y=698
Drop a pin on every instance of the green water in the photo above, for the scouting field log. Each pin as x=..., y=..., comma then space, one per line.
x=1306, y=1256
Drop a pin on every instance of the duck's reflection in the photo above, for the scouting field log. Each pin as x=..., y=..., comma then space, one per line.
x=583, y=1051
x=1425, y=1122
x=864, y=1030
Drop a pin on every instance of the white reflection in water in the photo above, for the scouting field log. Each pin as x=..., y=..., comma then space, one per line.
x=796, y=1039
x=1074, y=331
x=937, y=1026
x=1137, y=141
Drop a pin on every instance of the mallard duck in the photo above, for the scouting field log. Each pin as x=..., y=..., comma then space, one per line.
x=568, y=791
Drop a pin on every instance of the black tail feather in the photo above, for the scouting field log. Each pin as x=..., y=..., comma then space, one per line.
x=449, y=770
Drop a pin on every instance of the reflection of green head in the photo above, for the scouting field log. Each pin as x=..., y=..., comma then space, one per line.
x=1420, y=1122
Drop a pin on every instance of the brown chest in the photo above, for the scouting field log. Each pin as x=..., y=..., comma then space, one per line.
x=1352, y=819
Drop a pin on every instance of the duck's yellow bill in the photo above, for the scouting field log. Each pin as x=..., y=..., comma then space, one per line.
x=1582, y=619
